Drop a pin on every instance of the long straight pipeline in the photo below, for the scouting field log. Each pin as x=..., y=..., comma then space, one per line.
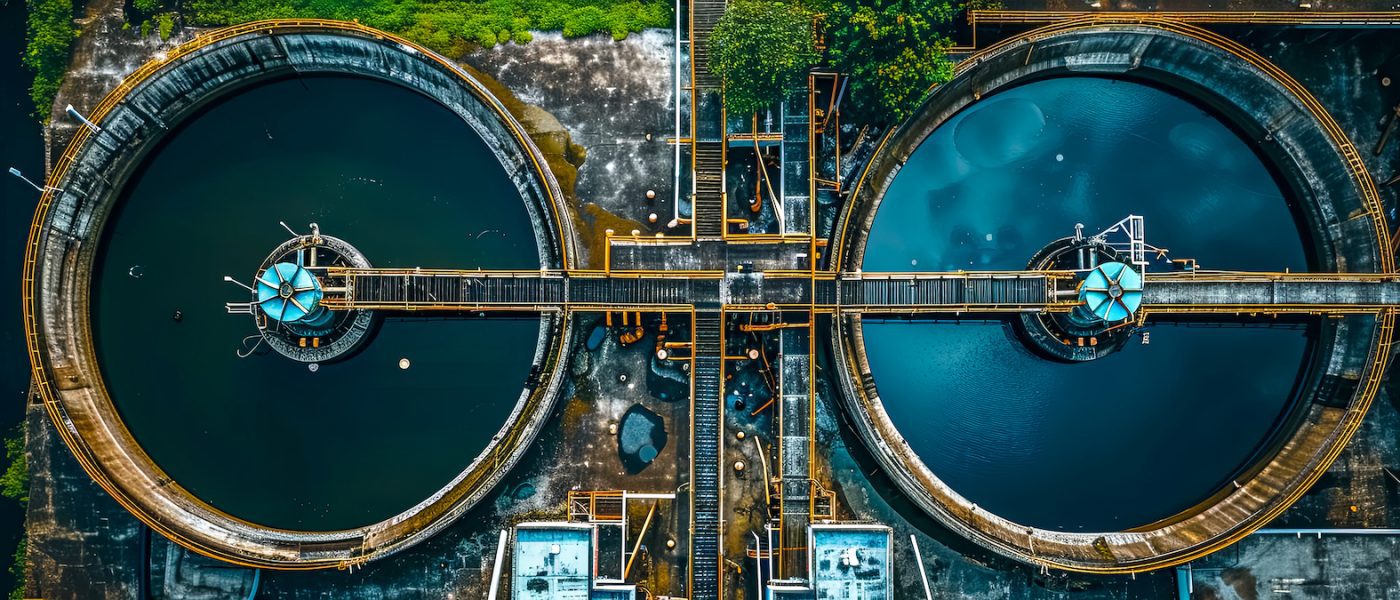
x=496, y=568
x=676, y=179
x=919, y=557
x=758, y=562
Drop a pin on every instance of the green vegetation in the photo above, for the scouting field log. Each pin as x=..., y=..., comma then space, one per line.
x=894, y=51
x=51, y=37
x=19, y=567
x=154, y=15
x=451, y=27
x=165, y=23
x=761, y=50
x=14, y=484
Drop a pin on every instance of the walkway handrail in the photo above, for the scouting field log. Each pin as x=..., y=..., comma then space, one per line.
x=1262, y=276
x=1374, y=18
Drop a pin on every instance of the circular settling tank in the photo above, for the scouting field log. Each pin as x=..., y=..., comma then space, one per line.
x=264, y=438
x=1131, y=438
x=1140, y=455
x=302, y=456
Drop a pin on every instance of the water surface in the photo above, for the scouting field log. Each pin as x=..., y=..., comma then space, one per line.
x=263, y=438
x=1131, y=438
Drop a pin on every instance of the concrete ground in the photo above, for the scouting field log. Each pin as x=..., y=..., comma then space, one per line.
x=616, y=100
x=1306, y=567
x=103, y=55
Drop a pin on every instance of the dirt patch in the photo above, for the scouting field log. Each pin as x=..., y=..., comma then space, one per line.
x=1245, y=584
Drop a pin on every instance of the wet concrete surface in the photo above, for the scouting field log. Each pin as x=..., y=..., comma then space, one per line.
x=749, y=386
x=749, y=190
x=1306, y=567
x=616, y=100
x=104, y=54
x=82, y=544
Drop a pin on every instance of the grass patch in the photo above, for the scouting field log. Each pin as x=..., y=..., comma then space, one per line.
x=451, y=27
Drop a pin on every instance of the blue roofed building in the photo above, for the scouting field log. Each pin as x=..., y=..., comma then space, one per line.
x=851, y=562
x=557, y=561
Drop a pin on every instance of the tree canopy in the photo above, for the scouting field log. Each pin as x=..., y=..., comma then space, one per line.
x=51, y=37
x=761, y=51
x=894, y=51
x=14, y=482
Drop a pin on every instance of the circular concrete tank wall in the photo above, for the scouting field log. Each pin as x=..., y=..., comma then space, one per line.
x=92, y=175
x=1336, y=206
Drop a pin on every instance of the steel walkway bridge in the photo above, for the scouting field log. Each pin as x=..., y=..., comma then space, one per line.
x=796, y=447
x=1297, y=18
x=874, y=293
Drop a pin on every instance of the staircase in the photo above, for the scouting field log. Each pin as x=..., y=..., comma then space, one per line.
x=708, y=209
x=703, y=16
x=705, y=489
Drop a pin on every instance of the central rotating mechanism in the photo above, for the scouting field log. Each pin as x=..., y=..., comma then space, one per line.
x=1110, y=293
x=287, y=301
x=1110, y=270
x=289, y=293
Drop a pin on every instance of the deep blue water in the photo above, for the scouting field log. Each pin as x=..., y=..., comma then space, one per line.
x=393, y=173
x=1128, y=439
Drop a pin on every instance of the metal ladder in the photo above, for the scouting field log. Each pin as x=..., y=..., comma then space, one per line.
x=705, y=551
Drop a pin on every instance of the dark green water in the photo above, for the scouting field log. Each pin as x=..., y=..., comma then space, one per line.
x=263, y=438
x=22, y=147
x=1139, y=435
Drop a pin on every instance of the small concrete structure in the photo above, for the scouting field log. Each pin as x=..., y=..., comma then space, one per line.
x=851, y=562
x=557, y=561
x=846, y=561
